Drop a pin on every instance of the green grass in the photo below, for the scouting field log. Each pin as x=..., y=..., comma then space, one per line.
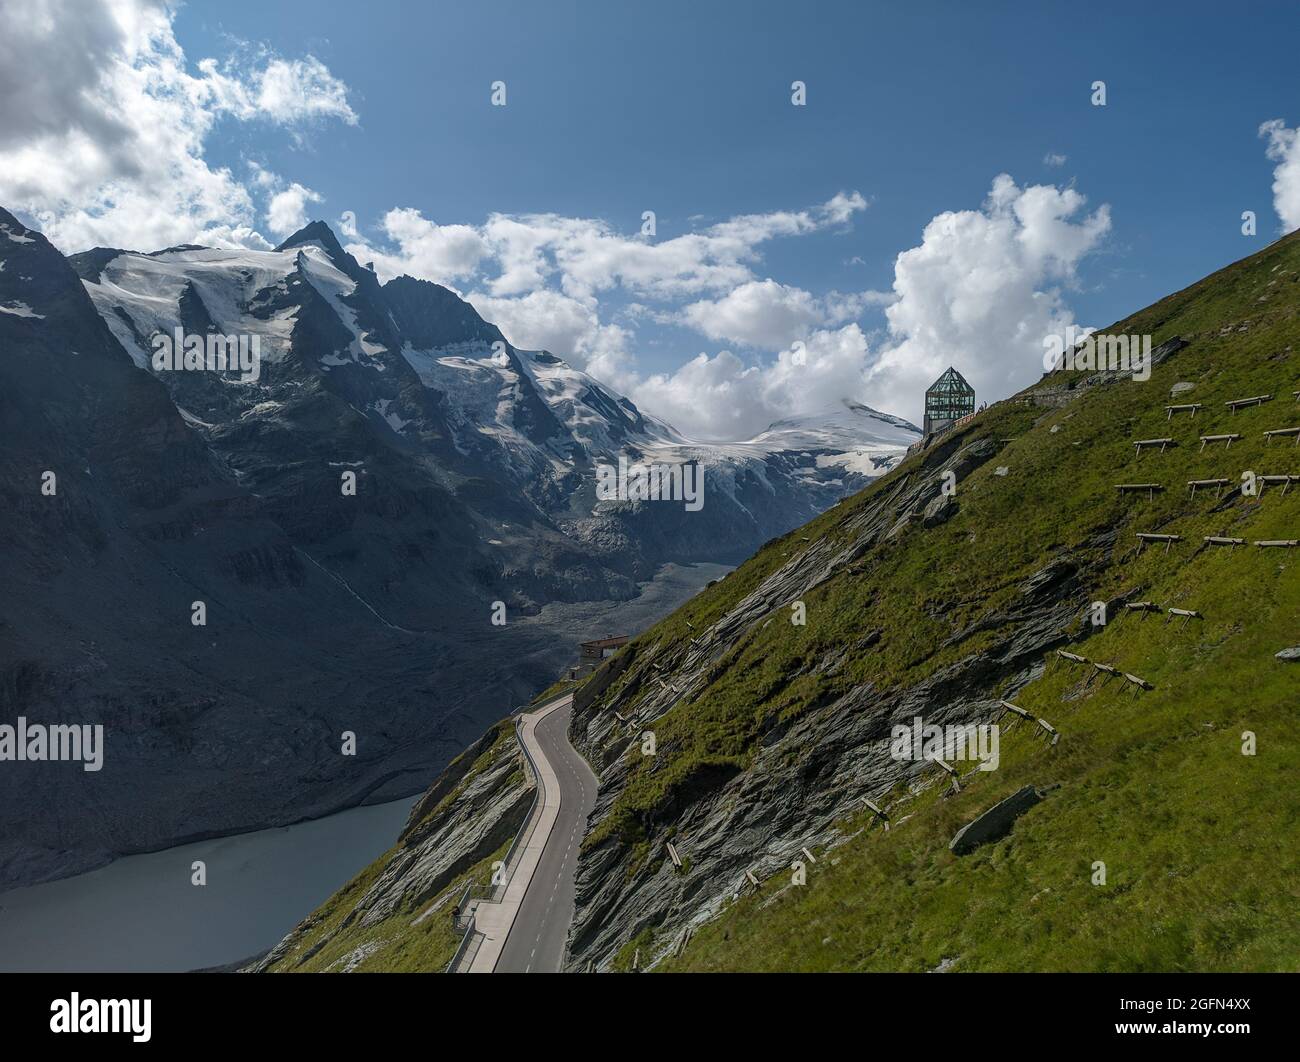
x=403, y=942
x=1200, y=841
x=556, y=689
x=396, y=944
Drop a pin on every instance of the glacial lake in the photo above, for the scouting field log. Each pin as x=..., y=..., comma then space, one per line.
x=140, y=913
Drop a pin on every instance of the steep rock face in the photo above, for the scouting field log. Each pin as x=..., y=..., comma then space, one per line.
x=399, y=909
x=326, y=611
x=407, y=374
x=805, y=774
x=236, y=723
x=921, y=603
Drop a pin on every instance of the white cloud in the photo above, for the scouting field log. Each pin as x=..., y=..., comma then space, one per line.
x=982, y=291
x=1284, y=149
x=722, y=397
x=542, y=277
x=586, y=256
x=550, y=320
x=286, y=211
x=1054, y=159
x=772, y=316
x=442, y=253
x=759, y=313
x=289, y=91
x=104, y=128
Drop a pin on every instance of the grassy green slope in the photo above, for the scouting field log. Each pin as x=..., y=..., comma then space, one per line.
x=1200, y=842
x=417, y=937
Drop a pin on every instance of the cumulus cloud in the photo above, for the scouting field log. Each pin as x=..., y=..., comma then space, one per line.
x=442, y=253
x=104, y=125
x=723, y=397
x=543, y=278
x=769, y=315
x=286, y=211
x=550, y=320
x=1284, y=149
x=586, y=256
x=981, y=291
x=1054, y=159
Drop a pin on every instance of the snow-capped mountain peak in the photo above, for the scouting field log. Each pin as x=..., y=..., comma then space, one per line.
x=424, y=368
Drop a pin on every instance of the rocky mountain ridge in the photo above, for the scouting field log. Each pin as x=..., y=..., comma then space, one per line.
x=325, y=611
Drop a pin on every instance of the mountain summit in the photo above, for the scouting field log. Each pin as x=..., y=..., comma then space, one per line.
x=1082, y=590
x=392, y=473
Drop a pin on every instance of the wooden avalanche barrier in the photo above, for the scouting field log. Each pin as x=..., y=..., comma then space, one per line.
x=1229, y=439
x=952, y=773
x=877, y=811
x=1131, y=488
x=1051, y=730
x=1168, y=540
x=1162, y=443
x=1217, y=484
x=1242, y=403
x=1286, y=482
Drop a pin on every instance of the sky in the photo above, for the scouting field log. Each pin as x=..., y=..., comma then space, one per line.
x=950, y=190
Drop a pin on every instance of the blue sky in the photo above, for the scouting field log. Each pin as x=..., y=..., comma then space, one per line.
x=684, y=109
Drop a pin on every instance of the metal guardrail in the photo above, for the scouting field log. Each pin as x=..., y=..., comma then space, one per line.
x=524, y=832
x=529, y=823
x=462, y=947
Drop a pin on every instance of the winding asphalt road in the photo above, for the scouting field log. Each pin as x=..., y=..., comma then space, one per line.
x=541, y=928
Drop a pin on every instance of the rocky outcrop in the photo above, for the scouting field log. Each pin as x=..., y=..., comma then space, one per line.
x=1060, y=387
x=996, y=822
x=328, y=605
x=474, y=808
x=806, y=774
x=1292, y=654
